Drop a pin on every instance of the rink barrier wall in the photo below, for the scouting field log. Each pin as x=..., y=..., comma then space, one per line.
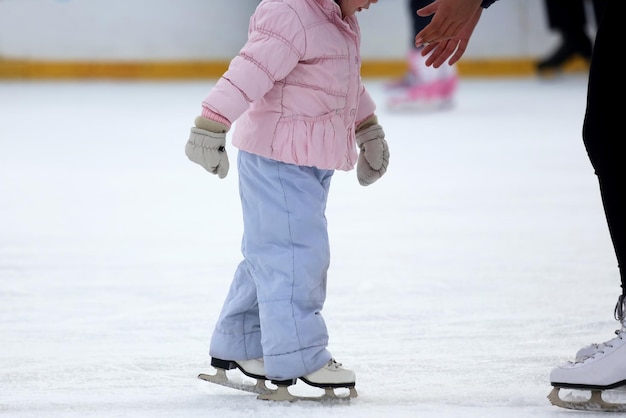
x=183, y=70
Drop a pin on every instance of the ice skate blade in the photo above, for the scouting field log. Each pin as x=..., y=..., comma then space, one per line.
x=220, y=378
x=282, y=394
x=594, y=403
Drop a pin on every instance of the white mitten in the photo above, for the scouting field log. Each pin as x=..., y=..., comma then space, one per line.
x=374, y=152
x=207, y=146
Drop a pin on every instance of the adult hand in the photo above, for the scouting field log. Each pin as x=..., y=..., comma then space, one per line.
x=450, y=17
x=453, y=48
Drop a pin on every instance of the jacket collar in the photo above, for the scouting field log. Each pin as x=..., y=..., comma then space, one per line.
x=330, y=6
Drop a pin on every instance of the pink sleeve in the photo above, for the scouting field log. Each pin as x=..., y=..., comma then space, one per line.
x=366, y=107
x=274, y=47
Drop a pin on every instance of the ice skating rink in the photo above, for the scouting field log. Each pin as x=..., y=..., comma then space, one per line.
x=479, y=262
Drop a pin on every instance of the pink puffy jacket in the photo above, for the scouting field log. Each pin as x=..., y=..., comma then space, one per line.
x=295, y=88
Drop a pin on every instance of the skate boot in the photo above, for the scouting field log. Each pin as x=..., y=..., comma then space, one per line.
x=574, y=47
x=253, y=368
x=332, y=376
x=588, y=351
x=427, y=89
x=597, y=368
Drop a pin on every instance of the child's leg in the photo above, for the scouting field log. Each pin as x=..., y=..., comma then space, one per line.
x=237, y=335
x=287, y=250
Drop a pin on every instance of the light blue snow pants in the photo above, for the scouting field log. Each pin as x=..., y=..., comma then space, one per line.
x=273, y=307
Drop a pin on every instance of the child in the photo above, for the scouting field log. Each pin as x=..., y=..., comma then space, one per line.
x=301, y=109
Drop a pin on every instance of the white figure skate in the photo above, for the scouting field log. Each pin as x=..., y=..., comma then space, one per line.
x=423, y=88
x=330, y=378
x=254, y=369
x=597, y=368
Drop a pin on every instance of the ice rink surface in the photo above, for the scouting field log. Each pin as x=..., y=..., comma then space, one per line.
x=479, y=262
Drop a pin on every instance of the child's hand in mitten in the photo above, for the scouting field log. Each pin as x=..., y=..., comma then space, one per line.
x=207, y=146
x=374, y=151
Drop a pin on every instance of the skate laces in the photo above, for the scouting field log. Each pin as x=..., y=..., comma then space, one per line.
x=619, y=309
x=619, y=315
x=334, y=365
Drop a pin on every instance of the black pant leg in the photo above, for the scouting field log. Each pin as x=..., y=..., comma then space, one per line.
x=598, y=9
x=565, y=15
x=603, y=128
x=418, y=22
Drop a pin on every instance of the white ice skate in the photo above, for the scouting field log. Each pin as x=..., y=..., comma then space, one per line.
x=330, y=377
x=598, y=368
x=424, y=88
x=254, y=369
x=424, y=96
